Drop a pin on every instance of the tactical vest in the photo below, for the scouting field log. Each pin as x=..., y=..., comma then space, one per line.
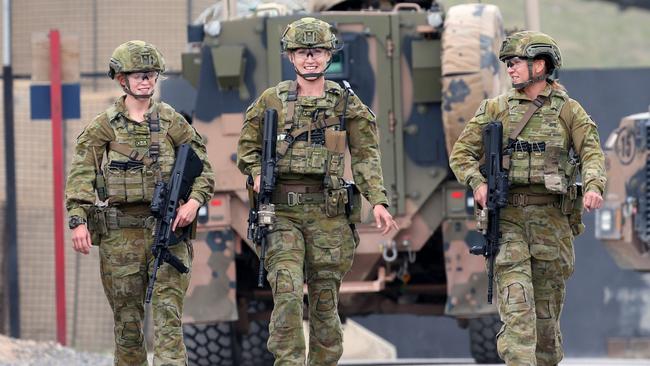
x=540, y=155
x=303, y=126
x=141, y=155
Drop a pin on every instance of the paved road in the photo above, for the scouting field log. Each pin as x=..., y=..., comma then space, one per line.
x=469, y=362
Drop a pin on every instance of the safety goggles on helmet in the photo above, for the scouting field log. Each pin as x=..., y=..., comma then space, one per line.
x=514, y=61
x=315, y=53
x=140, y=76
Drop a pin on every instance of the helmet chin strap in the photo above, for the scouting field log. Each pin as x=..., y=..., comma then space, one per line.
x=531, y=80
x=127, y=89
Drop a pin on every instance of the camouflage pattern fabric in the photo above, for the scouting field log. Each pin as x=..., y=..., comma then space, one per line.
x=531, y=44
x=125, y=254
x=115, y=125
x=306, y=245
x=506, y=108
x=135, y=56
x=536, y=253
x=535, y=259
x=361, y=133
x=308, y=32
x=126, y=263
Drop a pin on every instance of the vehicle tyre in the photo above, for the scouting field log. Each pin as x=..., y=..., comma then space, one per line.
x=483, y=339
x=210, y=344
x=253, y=345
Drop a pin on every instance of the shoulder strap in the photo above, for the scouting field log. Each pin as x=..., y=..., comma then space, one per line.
x=292, y=97
x=566, y=119
x=127, y=151
x=154, y=145
x=154, y=130
x=532, y=108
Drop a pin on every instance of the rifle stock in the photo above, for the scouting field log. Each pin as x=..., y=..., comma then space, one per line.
x=164, y=203
x=497, y=197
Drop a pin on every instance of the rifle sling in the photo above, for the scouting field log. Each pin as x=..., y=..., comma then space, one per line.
x=284, y=145
x=532, y=108
x=154, y=145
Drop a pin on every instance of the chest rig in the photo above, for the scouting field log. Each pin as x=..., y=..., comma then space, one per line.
x=539, y=153
x=310, y=140
x=137, y=159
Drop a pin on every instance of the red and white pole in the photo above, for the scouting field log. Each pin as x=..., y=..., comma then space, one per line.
x=56, y=111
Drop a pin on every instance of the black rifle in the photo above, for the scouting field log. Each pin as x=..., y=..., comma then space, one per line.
x=165, y=201
x=497, y=197
x=262, y=213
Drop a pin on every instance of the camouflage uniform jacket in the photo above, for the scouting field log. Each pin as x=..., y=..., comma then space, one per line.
x=575, y=129
x=95, y=139
x=361, y=134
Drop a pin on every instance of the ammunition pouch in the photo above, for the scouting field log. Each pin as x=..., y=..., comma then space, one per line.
x=572, y=206
x=129, y=182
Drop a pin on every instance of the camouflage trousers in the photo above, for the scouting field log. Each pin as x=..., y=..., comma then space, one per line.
x=307, y=246
x=126, y=263
x=535, y=259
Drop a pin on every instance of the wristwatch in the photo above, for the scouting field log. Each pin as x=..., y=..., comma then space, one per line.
x=76, y=221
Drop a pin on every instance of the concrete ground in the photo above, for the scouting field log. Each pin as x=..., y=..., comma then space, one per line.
x=469, y=362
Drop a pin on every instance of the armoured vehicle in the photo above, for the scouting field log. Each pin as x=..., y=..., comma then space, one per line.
x=623, y=223
x=423, y=71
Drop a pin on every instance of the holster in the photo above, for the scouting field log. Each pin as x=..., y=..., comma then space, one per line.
x=572, y=206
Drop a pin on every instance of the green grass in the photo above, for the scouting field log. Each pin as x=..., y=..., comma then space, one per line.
x=590, y=33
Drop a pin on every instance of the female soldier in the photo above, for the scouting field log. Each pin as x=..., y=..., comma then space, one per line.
x=312, y=240
x=536, y=254
x=139, y=137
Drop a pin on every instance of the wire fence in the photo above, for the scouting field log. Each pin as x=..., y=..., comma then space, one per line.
x=96, y=27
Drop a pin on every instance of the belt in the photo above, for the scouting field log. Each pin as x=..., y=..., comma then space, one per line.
x=523, y=199
x=115, y=220
x=136, y=222
x=298, y=188
x=296, y=198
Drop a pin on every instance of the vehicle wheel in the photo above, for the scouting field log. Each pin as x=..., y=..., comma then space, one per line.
x=483, y=339
x=210, y=344
x=253, y=344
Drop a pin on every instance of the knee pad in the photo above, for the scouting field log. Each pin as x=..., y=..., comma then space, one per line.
x=516, y=297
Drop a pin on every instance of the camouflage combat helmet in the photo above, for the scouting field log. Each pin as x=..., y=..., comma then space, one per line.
x=532, y=45
x=309, y=33
x=135, y=56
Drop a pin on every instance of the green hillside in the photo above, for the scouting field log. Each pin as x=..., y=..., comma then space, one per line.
x=591, y=34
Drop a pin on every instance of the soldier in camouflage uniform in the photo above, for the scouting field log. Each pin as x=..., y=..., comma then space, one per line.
x=544, y=208
x=139, y=137
x=312, y=240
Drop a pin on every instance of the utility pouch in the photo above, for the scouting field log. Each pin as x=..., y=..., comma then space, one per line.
x=335, y=202
x=97, y=223
x=100, y=187
x=572, y=206
x=335, y=140
x=353, y=206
